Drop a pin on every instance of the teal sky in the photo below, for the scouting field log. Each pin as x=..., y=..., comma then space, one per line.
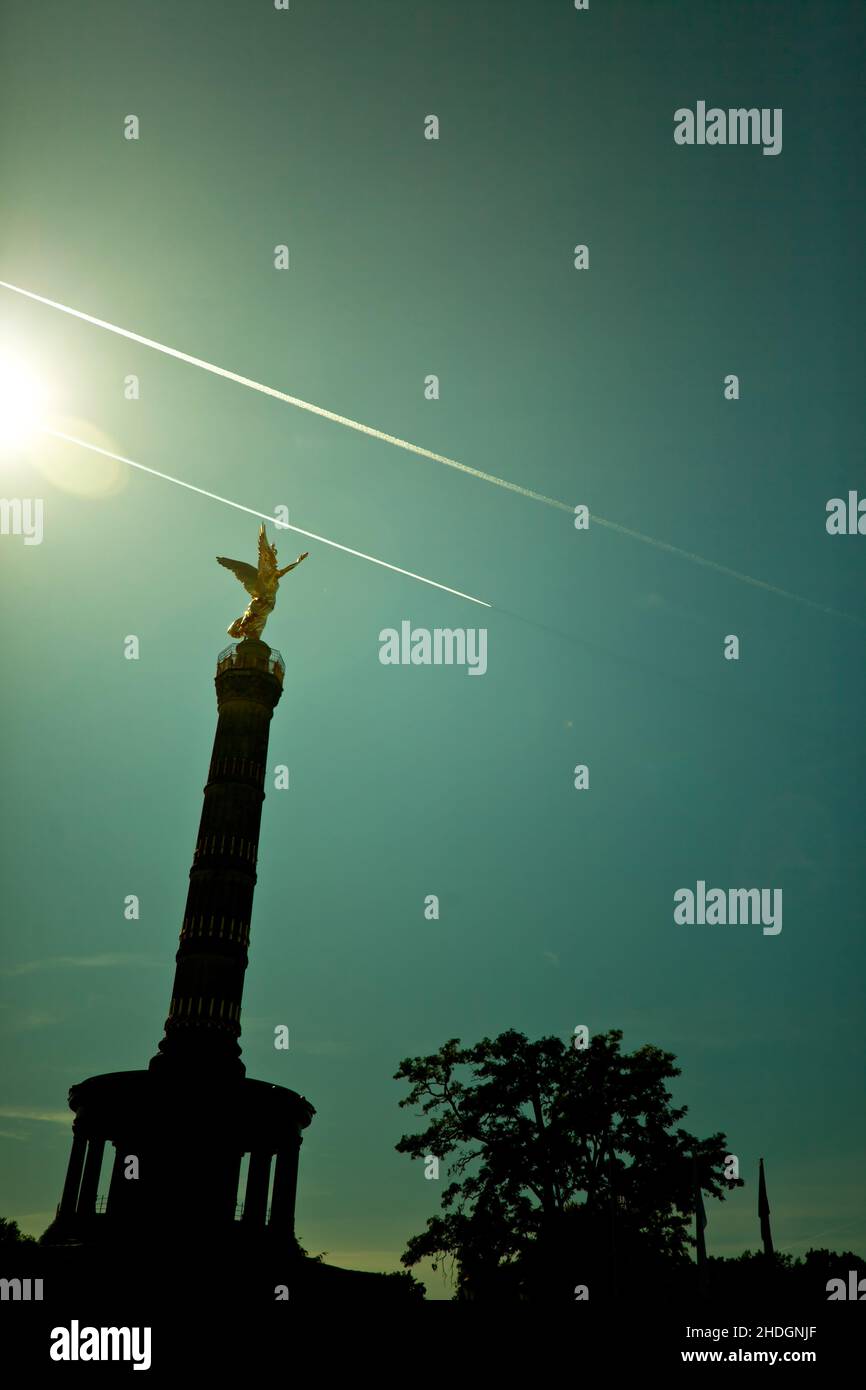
x=605, y=386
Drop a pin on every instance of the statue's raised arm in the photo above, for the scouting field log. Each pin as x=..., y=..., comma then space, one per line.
x=293, y=565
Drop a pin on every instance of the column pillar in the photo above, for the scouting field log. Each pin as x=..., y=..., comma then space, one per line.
x=90, y=1181
x=256, y=1197
x=115, y=1189
x=285, y=1189
x=203, y=1025
x=69, y=1200
x=229, y=1194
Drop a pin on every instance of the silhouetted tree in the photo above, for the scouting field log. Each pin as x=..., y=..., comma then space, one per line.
x=11, y=1234
x=569, y=1164
x=781, y=1278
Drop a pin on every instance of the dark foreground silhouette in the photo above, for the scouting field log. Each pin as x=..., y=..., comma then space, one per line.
x=565, y=1176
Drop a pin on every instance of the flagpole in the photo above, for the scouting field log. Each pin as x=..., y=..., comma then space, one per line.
x=764, y=1212
x=700, y=1224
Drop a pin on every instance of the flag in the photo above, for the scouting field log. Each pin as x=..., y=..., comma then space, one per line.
x=764, y=1211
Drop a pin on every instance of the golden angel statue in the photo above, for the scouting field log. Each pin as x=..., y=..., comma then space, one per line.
x=260, y=584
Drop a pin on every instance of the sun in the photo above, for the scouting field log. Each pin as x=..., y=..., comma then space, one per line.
x=23, y=399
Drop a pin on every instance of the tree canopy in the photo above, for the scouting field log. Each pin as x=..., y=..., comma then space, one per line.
x=568, y=1164
x=11, y=1233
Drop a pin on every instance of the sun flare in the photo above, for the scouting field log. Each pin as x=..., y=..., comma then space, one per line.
x=23, y=399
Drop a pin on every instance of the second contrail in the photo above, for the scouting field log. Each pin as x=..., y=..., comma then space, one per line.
x=421, y=452
x=282, y=525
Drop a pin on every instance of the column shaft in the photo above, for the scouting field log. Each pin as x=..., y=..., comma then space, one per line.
x=256, y=1197
x=203, y=1025
x=285, y=1188
x=90, y=1181
x=69, y=1200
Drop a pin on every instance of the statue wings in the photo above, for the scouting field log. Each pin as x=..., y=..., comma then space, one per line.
x=244, y=572
x=261, y=582
x=267, y=557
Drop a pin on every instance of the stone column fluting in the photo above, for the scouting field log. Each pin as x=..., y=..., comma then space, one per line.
x=203, y=1024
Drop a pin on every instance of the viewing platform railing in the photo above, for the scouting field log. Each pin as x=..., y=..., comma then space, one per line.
x=234, y=656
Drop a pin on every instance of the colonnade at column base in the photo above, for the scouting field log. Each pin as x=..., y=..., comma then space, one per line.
x=157, y=1156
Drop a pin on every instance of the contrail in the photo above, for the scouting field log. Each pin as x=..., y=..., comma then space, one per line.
x=572, y=638
x=290, y=400
x=421, y=452
x=265, y=516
